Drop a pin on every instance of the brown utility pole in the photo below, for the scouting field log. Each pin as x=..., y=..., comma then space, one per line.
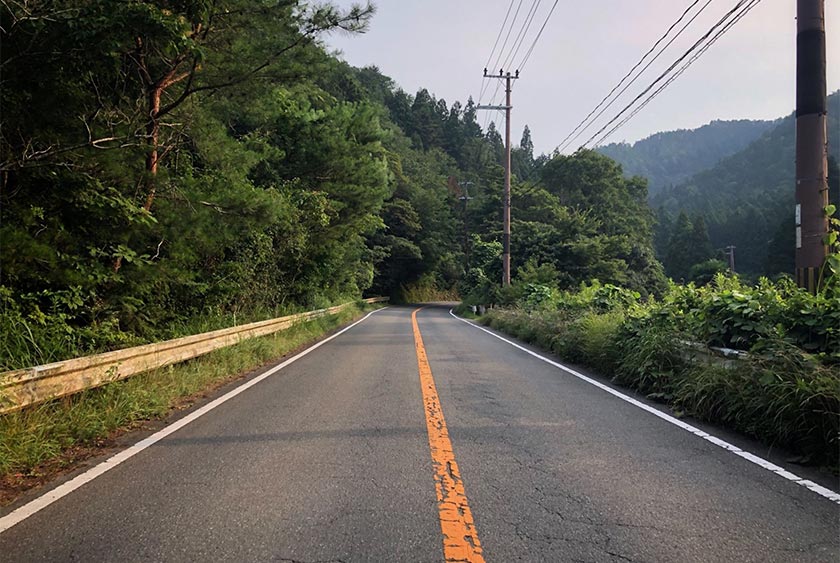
x=507, y=77
x=730, y=253
x=811, y=141
x=465, y=197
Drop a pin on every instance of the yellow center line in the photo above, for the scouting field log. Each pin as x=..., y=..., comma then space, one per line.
x=460, y=538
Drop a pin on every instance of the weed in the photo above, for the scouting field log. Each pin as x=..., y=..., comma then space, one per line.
x=34, y=435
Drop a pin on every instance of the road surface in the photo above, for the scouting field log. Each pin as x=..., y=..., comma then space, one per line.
x=356, y=452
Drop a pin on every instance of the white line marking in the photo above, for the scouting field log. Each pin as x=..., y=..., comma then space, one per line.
x=27, y=510
x=761, y=462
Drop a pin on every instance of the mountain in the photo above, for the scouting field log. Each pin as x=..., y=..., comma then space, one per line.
x=671, y=157
x=747, y=199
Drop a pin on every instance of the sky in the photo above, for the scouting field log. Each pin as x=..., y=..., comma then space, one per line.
x=585, y=50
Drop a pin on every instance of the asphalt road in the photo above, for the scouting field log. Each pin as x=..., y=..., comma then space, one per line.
x=329, y=460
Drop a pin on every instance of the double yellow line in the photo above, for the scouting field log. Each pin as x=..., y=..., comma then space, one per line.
x=460, y=539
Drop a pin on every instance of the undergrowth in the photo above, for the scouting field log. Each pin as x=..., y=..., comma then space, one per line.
x=51, y=326
x=786, y=393
x=37, y=434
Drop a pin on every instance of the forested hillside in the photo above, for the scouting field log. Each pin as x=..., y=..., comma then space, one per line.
x=747, y=199
x=669, y=158
x=171, y=167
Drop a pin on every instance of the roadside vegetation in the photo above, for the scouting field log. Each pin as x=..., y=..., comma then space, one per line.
x=786, y=392
x=169, y=168
x=44, y=434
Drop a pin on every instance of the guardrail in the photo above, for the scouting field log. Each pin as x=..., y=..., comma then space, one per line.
x=712, y=355
x=24, y=387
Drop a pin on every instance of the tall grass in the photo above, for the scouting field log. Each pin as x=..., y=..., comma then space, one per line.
x=425, y=290
x=32, y=334
x=782, y=395
x=37, y=434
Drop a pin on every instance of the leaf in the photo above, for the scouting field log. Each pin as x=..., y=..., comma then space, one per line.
x=768, y=378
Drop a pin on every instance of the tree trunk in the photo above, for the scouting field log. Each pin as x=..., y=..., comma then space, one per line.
x=153, y=140
x=152, y=156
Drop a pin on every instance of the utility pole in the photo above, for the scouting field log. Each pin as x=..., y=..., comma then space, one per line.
x=465, y=198
x=730, y=253
x=507, y=77
x=811, y=151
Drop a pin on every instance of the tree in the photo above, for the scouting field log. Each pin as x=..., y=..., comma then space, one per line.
x=522, y=157
x=688, y=246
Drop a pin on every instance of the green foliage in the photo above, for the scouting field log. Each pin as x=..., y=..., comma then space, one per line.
x=264, y=191
x=747, y=198
x=830, y=276
x=425, y=290
x=704, y=272
x=33, y=436
x=688, y=248
x=669, y=158
x=787, y=392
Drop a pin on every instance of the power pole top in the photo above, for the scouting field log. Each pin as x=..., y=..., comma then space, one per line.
x=502, y=74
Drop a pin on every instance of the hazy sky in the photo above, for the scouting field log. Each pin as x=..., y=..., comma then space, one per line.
x=585, y=50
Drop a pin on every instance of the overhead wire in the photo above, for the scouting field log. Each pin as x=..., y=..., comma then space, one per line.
x=667, y=71
x=516, y=46
x=587, y=121
x=510, y=29
x=495, y=44
x=523, y=32
x=537, y=38
x=517, y=43
x=681, y=70
x=498, y=59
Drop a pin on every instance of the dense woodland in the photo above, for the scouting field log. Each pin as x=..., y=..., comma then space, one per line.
x=167, y=165
x=726, y=183
x=670, y=158
x=747, y=199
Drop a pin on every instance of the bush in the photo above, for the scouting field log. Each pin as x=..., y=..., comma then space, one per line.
x=784, y=397
x=787, y=393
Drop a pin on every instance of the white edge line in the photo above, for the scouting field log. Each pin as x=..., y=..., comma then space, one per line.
x=761, y=462
x=20, y=514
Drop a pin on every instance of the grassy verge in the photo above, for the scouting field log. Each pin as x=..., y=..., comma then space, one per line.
x=781, y=396
x=48, y=437
x=30, y=336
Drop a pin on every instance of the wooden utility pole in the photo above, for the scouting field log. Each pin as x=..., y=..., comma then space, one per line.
x=465, y=197
x=507, y=77
x=811, y=150
x=730, y=253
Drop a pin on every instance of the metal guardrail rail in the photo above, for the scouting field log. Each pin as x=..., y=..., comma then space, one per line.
x=24, y=387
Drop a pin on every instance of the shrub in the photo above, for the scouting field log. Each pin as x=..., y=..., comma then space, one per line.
x=787, y=393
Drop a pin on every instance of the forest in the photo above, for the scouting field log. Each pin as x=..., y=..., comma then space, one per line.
x=725, y=184
x=181, y=164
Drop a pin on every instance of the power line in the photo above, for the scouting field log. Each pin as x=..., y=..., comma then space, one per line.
x=586, y=122
x=523, y=32
x=493, y=51
x=502, y=50
x=510, y=29
x=537, y=38
x=667, y=71
x=681, y=70
x=499, y=36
